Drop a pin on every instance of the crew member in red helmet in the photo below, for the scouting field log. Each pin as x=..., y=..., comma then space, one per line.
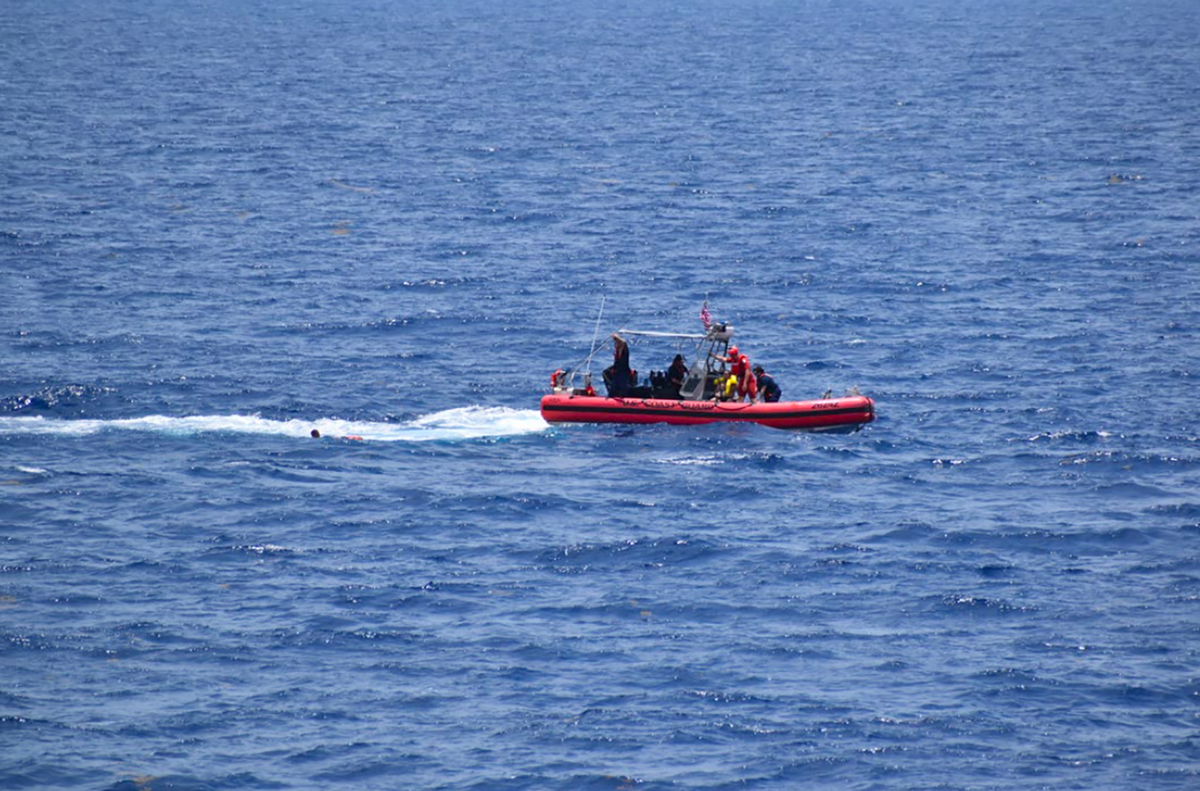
x=739, y=366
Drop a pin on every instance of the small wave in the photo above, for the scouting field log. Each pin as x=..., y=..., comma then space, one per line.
x=980, y=604
x=715, y=459
x=461, y=423
x=1076, y=436
x=1130, y=460
x=53, y=397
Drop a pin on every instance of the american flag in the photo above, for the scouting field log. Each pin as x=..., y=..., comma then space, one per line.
x=705, y=316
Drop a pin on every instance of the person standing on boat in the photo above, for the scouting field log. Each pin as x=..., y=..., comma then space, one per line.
x=618, y=376
x=677, y=373
x=766, y=385
x=739, y=366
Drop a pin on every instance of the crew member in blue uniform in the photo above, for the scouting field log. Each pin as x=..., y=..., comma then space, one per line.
x=677, y=373
x=767, y=388
x=619, y=376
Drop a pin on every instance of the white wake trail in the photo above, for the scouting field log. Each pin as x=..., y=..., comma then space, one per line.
x=461, y=423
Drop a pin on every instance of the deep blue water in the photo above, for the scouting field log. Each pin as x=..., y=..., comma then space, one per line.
x=225, y=223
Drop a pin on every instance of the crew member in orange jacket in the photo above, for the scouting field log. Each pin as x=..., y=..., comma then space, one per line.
x=739, y=366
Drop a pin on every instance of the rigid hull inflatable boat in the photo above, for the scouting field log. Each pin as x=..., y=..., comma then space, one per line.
x=690, y=396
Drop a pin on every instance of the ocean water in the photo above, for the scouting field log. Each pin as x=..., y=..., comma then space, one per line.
x=224, y=224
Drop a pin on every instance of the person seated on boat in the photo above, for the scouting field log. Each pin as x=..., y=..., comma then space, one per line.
x=618, y=376
x=725, y=387
x=718, y=385
x=731, y=387
x=676, y=374
x=739, y=366
x=766, y=385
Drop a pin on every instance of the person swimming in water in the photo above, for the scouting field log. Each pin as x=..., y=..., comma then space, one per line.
x=317, y=435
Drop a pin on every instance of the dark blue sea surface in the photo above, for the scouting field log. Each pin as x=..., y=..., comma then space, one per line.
x=224, y=224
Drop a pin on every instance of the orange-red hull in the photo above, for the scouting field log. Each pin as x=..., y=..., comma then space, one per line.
x=823, y=414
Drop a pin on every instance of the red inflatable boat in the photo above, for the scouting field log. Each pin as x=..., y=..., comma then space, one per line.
x=824, y=414
x=688, y=394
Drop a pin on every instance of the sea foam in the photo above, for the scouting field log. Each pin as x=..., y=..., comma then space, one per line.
x=461, y=423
